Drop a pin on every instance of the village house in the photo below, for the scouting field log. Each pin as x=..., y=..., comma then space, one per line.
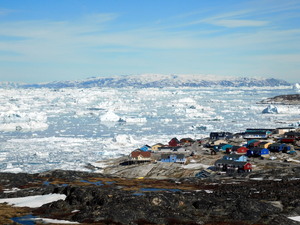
x=145, y=148
x=156, y=147
x=283, y=130
x=168, y=148
x=258, y=152
x=186, y=141
x=250, y=143
x=231, y=165
x=235, y=157
x=251, y=133
x=222, y=147
x=264, y=144
x=239, y=149
x=174, y=158
x=278, y=147
x=140, y=155
x=295, y=135
x=220, y=135
x=174, y=142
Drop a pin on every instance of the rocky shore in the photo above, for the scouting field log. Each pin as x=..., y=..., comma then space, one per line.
x=262, y=197
x=293, y=99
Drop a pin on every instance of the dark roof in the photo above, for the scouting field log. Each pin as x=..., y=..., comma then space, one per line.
x=258, y=129
x=292, y=133
x=234, y=156
x=230, y=162
x=220, y=133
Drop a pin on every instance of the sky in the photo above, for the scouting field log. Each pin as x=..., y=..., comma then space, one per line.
x=56, y=40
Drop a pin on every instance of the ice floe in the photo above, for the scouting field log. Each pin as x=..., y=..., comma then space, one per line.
x=44, y=129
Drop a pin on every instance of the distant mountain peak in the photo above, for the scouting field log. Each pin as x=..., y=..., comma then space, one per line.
x=160, y=80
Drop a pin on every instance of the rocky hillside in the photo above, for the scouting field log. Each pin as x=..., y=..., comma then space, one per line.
x=293, y=99
x=159, y=80
x=97, y=199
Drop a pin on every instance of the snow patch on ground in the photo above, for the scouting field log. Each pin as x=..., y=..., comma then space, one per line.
x=33, y=201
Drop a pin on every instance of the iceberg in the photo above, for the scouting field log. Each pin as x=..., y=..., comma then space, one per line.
x=296, y=87
x=270, y=110
x=110, y=116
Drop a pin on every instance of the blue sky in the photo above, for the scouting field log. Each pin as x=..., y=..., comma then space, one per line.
x=49, y=40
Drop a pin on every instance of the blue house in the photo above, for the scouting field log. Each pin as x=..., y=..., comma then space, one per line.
x=145, y=148
x=225, y=147
x=235, y=157
x=222, y=146
x=175, y=158
x=277, y=147
x=260, y=152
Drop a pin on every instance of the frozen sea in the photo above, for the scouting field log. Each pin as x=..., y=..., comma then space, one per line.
x=44, y=129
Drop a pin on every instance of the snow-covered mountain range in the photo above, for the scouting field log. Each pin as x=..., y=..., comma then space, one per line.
x=158, y=80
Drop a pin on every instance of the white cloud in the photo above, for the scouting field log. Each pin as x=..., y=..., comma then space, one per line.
x=232, y=23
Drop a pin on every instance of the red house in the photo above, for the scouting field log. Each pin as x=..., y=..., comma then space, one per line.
x=288, y=140
x=174, y=142
x=239, y=149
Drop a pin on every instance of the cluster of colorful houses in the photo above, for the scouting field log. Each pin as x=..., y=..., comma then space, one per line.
x=257, y=143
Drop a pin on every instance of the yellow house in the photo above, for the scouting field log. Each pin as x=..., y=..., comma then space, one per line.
x=264, y=144
x=156, y=146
